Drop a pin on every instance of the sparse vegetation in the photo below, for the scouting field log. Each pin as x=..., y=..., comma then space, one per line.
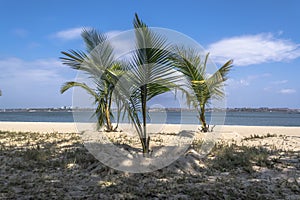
x=57, y=166
x=233, y=157
x=256, y=136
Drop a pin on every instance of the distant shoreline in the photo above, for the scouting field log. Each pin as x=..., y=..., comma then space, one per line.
x=68, y=109
x=243, y=118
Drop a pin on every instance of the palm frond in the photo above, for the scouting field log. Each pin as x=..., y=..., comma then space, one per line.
x=74, y=59
x=72, y=84
x=203, y=87
x=189, y=63
x=92, y=38
x=216, y=81
x=100, y=66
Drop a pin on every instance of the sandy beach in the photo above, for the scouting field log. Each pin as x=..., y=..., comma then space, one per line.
x=48, y=127
x=226, y=130
x=41, y=127
x=250, y=162
x=225, y=133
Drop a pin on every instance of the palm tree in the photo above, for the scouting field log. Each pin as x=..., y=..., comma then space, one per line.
x=202, y=85
x=149, y=73
x=96, y=63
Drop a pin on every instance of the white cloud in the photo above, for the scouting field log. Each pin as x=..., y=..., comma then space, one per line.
x=281, y=82
x=237, y=83
x=287, y=91
x=258, y=76
x=69, y=34
x=277, y=87
x=243, y=82
x=75, y=33
x=36, y=69
x=122, y=41
x=34, y=83
x=254, y=49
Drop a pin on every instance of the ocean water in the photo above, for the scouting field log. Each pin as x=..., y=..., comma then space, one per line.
x=231, y=118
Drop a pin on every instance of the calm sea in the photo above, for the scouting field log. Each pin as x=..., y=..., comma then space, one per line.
x=232, y=118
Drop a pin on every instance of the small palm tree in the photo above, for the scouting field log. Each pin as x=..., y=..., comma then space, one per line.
x=149, y=73
x=96, y=63
x=203, y=86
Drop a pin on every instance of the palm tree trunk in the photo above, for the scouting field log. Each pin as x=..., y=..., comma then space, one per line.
x=146, y=138
x=107, y=113
x=202, y=119
x=107, y=116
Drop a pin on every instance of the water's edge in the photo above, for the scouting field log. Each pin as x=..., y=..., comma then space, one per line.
x=232, y=118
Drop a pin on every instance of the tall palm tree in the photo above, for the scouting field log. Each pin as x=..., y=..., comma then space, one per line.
x=202, y=85
x=149, y=73
x=97, y=62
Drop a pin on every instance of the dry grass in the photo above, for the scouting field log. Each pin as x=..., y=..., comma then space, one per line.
x=57, y=166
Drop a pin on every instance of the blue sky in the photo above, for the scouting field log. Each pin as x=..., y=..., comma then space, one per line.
x=261, y=36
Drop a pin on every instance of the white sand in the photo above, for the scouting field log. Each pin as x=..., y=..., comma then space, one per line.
x=42, y=127
x=227, y=131
x=262, y=130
